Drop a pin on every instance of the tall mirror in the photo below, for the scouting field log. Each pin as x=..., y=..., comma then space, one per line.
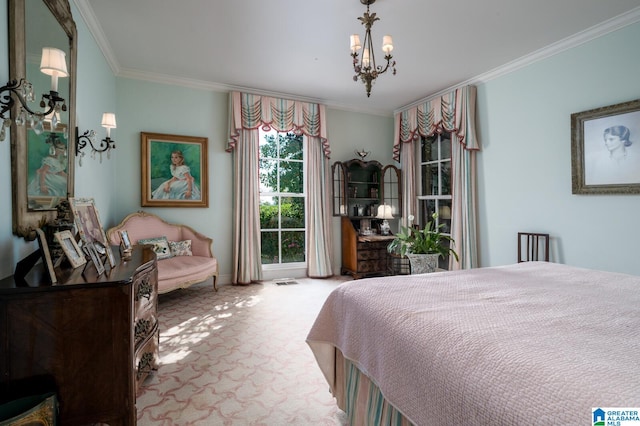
x=42, y=154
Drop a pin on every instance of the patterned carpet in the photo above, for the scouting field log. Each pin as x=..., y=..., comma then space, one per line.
x=239, y=357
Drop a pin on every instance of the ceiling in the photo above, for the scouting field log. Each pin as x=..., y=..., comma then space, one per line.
x=300, y=49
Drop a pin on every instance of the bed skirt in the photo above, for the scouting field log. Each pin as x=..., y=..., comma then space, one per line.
x=361, y=399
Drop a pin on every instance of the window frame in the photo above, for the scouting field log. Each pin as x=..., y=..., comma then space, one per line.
x=280, y=196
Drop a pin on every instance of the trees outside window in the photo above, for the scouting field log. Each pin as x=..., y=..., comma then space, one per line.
x=282, y=198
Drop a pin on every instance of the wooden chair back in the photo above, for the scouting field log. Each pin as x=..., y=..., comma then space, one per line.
x=533, y=246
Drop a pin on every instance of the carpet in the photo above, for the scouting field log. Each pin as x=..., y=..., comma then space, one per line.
x=239, y=357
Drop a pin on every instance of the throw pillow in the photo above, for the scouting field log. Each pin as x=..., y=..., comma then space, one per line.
x=160, y=246
x=181, y=248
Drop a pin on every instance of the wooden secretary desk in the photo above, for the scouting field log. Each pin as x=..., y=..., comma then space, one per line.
x=95, y=338
x=359, y=189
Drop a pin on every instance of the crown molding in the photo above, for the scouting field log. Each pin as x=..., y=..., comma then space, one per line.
x=86, y=12
x=570, y=42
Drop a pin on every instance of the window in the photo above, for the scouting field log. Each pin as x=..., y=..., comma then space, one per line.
x=434, y=183
x=282, y=198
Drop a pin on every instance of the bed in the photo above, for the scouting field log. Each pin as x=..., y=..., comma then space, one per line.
x=531, y=343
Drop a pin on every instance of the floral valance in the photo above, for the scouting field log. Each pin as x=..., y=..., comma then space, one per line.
x=453, y=112
x=248, y=111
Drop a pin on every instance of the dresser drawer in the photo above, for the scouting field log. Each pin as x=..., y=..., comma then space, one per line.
x=145, y=293
x=144, y=326
x=146, y=358
x=369, y=255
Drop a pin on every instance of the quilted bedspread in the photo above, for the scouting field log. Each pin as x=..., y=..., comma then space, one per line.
x=532, y=343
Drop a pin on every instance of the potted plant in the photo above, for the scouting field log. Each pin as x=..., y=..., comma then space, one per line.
x=423, y=247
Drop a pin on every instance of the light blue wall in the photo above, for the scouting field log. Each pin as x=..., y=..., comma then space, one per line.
x=95, y=94
x=525, y=163
x=161, y=108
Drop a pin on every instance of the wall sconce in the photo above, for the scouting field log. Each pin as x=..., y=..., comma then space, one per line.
x=88, y=138
x=53, y=63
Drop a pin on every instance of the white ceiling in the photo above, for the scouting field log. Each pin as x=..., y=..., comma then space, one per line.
x=300, y=48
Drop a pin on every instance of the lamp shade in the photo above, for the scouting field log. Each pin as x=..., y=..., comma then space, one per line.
x=387, y=44
x=109, y=120
x=355, y=42
x=384, y=212
x=53, y=62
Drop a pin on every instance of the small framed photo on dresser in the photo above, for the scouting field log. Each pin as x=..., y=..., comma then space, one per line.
x=91, y=251
x=70, y=248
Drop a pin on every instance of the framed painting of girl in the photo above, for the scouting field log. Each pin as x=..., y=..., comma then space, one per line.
x=174, y=170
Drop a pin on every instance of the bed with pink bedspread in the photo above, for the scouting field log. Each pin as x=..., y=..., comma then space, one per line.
x=532, y=343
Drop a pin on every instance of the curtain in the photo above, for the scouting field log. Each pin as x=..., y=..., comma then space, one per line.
x=248, y=113
x=318, y=217
x=453, y=112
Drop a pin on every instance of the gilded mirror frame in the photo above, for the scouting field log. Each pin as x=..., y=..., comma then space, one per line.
x=26, y=221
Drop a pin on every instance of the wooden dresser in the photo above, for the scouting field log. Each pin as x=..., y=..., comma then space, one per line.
x=95, y=338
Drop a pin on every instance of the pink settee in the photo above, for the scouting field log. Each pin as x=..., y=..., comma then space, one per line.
x=177, y=271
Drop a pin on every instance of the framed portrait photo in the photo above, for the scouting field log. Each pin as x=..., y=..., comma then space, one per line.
x=125, y=241
x=174, y=171
x=70, y=248
x=605, y=150
x=87, y=221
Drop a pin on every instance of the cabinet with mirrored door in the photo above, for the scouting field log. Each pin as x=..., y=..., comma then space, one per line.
x=366, y=195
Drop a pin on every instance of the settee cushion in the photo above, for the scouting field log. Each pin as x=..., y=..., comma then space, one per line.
x=173, y=270
x=160, y=246
x=181, y=248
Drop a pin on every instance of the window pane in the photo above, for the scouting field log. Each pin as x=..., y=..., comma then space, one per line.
x=429, y=179
x=290, y=146
x=268, y=176
x=428, y=149
x=446, y=178
x=268, y=212
x=269, y=145
x=292, y=246
x=292, y=212
x=291, y=177
x=445, y=146
x=444, y=215
x=269, y=241
x=427, y=208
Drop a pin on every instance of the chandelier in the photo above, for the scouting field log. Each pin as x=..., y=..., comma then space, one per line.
x=365, y=68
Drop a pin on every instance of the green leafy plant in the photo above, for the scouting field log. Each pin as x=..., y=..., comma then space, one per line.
x=429, y=240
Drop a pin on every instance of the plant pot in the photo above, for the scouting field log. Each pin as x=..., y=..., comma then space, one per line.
x=423, y=263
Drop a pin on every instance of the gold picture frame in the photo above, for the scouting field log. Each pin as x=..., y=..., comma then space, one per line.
x=174, y=170
x=67, y=242
x=605, y=150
